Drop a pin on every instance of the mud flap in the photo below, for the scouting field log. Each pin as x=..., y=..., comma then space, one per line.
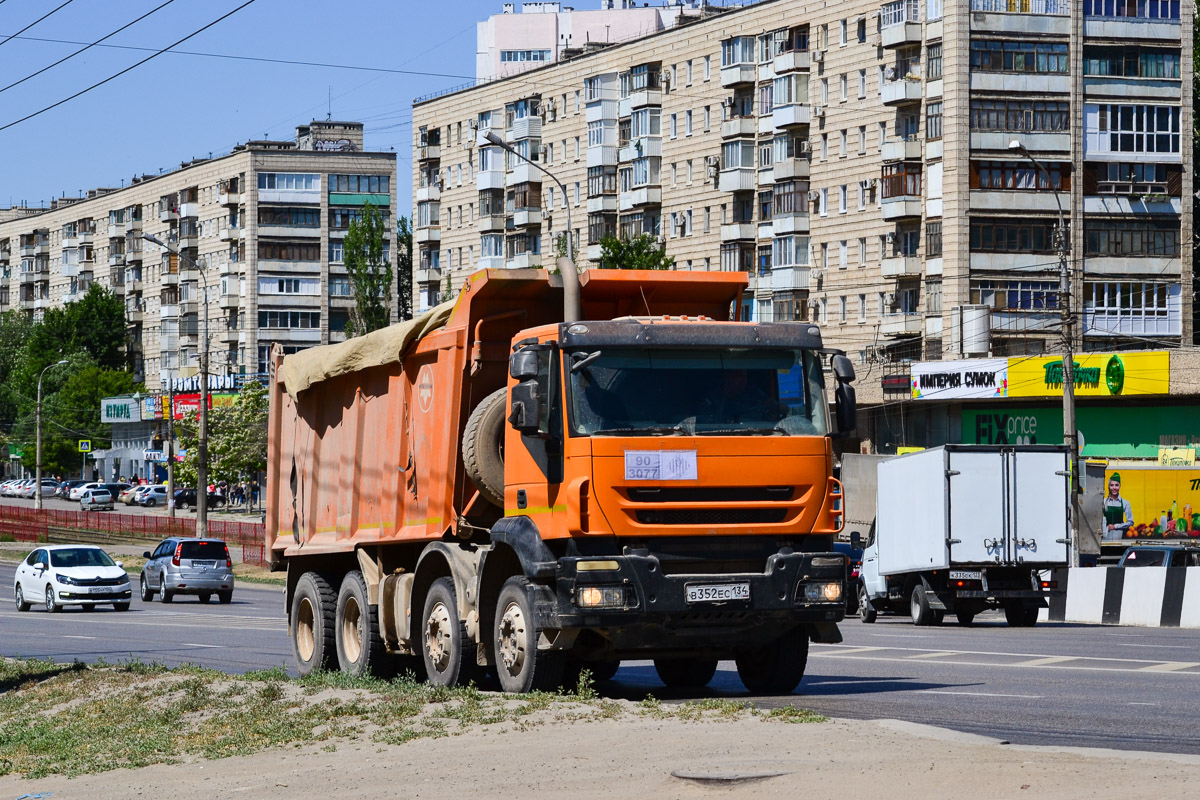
x=824, y=633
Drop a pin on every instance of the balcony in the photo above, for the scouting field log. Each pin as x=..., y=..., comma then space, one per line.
x=70, y=242
x=189, y=210
x=523, y=172
x=739, y=128
x=900, y=324
x=428, y=234
x=738, y=74
x=228, y=336
x=902, y=150
x=527, y=217
x=791, y=168
x=605, y=202
x=524, y=261
x=229, y=300
x=132, y=256
x=524, y=128
x=429, y=194
x=70, y=270
x=231, y=235
x=645, y=97
x=594, y=253
x=900, y=23
x=598, y=110
x=166, y=311
x=1054, y=142
x=489, y=179
x=793, y=61
x=429, y=152
x=428, y=275
x=602, y=156
x=901, y=92
x=116, y=230
x=188, y=240
x=491, y=223
x=739, y=231
x=900, y=266
x=225, y=197
x=133, y=316
x=1018, y=202
x=741, y=179
x=642, y=147
x=1129, y=29
x=133, y=285
x=641, y=196
x=791, y=115
x=790, y=279
x=795, y=222
x=901, y=207
x=168, y=213
x=1019, y=83
x=490, y=262
x=1045, y=17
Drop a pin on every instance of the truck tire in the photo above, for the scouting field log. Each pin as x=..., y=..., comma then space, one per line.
x=678, y=673
x=965, y=616
x=483, y=447
x=448, y=651
x=776, y=668
x=1018, y=616
x=360, y=649
x=918, y=607
x=310, y=623
x=866, y=611
x=520, y=666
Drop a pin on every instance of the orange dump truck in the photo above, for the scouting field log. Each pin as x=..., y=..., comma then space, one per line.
x=490, y=489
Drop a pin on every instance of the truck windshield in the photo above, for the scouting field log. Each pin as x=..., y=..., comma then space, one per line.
x=656, y=392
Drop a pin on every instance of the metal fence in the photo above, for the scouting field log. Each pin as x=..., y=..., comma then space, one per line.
x=31, y=525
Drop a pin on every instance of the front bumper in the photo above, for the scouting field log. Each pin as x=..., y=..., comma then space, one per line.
x=656, y=613
x=75, y=594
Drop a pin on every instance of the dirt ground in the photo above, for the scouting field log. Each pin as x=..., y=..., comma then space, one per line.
x=646, y=758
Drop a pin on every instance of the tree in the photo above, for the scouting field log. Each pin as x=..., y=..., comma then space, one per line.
x=640, y=252
x=404, y=269
x=237, y=439
x=370, y=274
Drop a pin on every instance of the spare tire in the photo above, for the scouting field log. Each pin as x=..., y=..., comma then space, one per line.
x=483, y=447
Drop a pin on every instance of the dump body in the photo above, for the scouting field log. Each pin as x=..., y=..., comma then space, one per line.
x=492, y=458
x=969, y=527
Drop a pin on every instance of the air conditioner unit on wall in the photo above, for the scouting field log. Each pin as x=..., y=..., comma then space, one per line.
x=818, y=111
x=814, y=195
x=818, y=56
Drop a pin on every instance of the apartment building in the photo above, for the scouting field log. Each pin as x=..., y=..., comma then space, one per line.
x=856, y=160
x=264, y=225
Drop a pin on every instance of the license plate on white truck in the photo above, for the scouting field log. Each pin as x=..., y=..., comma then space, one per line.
x=966, y=575
x=716, y=592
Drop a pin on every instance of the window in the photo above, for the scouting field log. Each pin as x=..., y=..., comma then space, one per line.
x=289, y=319
x=1113, y=128
x=1147, y=236
x=737, y=154
x=766, y=95
x=308, y=286
x=339, y=287
x=933, y=296
x=824, y=91
x=601, y=226
x=289, y=181
x=862, y=251
x=1131, y=62
x=645, y=170
x=843, y=35
x=1127, y=178
x=674, y=126
x=862, y=83
x=1020, y=175
x=824, y=255
x=933, y=10
x=737, y=257
x=842, y=308
x=789, y=251
x=843, y=254
x=824, y=146
x=1013, y=56
x=862, y=140
x=289, y=251
x=738, y=50
x=899, y=13
x=933, y=120
x=513, y=56
x=933, y=239
x=824, y=207
x=687, y=123
x=843, y=194
x=790, y=89
x=491, y=245
x=765, y=151
x=707, y=67
x=1019, y=115
x=790, y=197
x=933, y=61
x=1130, y=299
x=1140, y=9
x=688, y=69
x=645, y=122
x=843, y=92
x=707, y=118
x=1012, y=236
x=359, y=184
x=882, y=134
x=842, y=143
x=766, y=203
x=901, y=180
x=1016, y=295
x=428, y=215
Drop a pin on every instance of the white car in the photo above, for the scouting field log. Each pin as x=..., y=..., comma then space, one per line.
x=29, y=490
x=153, y=496
x=71, y=574
x=100, y=499
x=78, y=491
x=13, y=488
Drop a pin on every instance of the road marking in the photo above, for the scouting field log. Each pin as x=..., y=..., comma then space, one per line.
x=69, y=636
x=935, y=654
x=977, y=694
x=900, y=636
x=1043, y=662
x=194, y=644
x=846, y=650
x=1163, y=646
x=1141, y=704
x=1170, y=666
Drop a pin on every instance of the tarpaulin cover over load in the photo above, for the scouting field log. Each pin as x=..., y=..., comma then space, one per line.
x=384, y=346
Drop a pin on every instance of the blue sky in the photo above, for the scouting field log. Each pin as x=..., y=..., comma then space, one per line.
x=177, y=107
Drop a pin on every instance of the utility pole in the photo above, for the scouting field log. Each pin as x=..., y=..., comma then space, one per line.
x=37, y=477
x=1067, y=323
x=169, y=411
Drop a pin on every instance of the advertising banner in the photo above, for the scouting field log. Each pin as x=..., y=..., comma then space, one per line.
x=120, y=409
x=1096, y=375
x=981, y=378
x=1165, y=500
x=1108, y=432
x=152, y=408
x=188, y=405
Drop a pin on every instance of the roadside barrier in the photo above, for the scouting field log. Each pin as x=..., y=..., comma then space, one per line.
x=1166, y=597
x=31, y=525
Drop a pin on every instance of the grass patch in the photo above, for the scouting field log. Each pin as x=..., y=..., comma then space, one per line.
x=74, y=719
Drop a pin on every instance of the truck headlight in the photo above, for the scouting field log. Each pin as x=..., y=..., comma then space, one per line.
x=600, y=596
x=822, y=592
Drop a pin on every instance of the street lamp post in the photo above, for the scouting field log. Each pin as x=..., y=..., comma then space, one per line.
x=1065, y=304
x=566, y=265
x=37, y=472
x=202, y=439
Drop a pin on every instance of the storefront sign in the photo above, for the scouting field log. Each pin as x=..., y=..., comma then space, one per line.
x=188, y=405
x=1096, y=375
x=1176, y=456
x=983, y=378
x=120, y=409
x=1122, y=431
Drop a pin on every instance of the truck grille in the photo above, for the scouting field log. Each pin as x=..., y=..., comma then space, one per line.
x=710, y=516
x=711, y=494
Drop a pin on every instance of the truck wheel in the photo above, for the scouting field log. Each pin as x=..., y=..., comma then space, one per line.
x=520, y=666
x=1030, y=618
x=678, y=673
x=483, y=447
x=1018, y=616
x=866, y=611
x=311, y=623
x=776, y=668
x=448, y=652
x=919, y=608
x=360, y=649
x=965, y=616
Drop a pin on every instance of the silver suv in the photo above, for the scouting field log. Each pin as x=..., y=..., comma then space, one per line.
x=179, y=565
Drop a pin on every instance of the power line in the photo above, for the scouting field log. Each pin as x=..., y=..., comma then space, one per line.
x=98, y=84
x=86, y=47
x=35, y=22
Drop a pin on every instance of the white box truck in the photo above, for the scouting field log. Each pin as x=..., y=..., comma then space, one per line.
x=963, y=528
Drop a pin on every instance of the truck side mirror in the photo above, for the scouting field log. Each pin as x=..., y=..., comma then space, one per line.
x=843, y=369
x=526, y=408
x=846, y=408
x=856, y=540
x=523, y=365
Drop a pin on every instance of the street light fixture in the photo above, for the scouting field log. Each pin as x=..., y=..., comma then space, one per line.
x=1065, y=304
x=37, y=491
x=202, y=439
x=566, y=265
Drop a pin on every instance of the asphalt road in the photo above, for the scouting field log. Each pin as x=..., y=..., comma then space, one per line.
x=1055, y=684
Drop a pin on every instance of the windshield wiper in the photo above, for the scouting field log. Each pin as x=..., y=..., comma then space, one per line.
x=652, y=430
x=740, y=431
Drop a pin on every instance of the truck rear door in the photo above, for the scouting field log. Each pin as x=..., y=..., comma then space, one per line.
x=1040, y=496
x=978, y=513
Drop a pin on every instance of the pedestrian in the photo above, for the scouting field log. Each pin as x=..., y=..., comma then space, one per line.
x=254, y=492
